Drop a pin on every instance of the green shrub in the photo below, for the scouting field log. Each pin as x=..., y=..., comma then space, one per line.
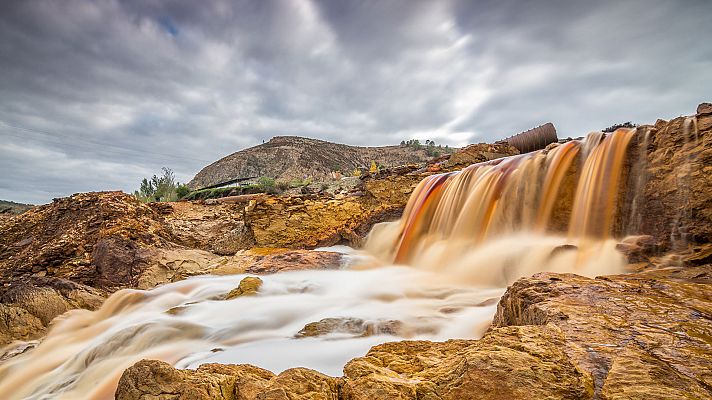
x=266, y=181
x=182, y=191
x=296, y=182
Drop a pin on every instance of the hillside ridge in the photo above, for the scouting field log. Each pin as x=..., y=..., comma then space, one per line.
x=297, y=157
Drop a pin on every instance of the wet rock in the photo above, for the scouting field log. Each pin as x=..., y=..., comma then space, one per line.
x=269, y=261
x=639, y=336
x=511, y=363
x=27, y=306
x=351, y=326
x=247, y=287
x=555, y=336
x=638, y=248
x=676, y=207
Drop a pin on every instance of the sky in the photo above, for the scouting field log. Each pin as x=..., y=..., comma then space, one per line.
x=96, y=95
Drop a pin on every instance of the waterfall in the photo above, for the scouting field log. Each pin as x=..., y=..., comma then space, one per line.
x=520, y=195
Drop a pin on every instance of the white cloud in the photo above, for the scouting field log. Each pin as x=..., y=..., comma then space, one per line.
x=121, y=88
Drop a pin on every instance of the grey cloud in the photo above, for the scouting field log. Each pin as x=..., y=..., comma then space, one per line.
x=113, y=90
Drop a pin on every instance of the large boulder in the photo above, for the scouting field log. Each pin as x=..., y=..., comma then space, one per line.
x=510, y=363
x=159, y=381
x=643, y=335
x=28, y=305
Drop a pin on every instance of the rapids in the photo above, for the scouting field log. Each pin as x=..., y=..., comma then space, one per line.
x=439, y=272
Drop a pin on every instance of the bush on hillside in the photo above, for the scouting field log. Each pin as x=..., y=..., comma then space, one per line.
x=160, y=188
x=182, y=191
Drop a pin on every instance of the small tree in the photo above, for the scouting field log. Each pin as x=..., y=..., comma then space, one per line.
x=159, y=188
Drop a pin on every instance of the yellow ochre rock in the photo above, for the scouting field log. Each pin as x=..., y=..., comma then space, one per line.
x=248, y=287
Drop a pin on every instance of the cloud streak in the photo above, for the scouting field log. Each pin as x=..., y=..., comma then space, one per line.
x=96, y=95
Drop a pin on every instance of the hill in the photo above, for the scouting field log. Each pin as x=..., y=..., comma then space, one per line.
x=12, y=208
x=293, y=157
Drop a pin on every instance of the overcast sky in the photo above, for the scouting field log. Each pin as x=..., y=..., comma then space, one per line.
x=95, y=95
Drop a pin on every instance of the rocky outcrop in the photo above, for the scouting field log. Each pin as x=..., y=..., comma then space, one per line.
x=641, y=335
x=510, y=363
x=27, y=306
x=75, y=251
x=159, y=381
x=81, y=238
x=555, y=336
x=677, y=208
x=351, y=326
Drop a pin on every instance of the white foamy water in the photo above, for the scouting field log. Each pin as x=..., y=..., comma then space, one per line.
x=189, y=323
x=86, y=351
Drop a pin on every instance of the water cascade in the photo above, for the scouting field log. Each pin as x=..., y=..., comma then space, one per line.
x=464, y=236
x=521, y=198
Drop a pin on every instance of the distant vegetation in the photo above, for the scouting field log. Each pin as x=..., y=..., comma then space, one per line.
x=161, y=188
x=431, y=149
x=613, y=128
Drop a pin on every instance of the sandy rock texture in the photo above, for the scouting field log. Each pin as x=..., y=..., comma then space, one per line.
x=156, y=380
x=642, y=335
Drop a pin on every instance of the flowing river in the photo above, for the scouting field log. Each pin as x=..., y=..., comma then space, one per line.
x=436, y=274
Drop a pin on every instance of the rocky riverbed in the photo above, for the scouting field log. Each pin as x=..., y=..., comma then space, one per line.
x=646, y=334
x=559, y=336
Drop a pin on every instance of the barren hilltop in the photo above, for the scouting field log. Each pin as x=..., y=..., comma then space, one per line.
x=294, y=157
